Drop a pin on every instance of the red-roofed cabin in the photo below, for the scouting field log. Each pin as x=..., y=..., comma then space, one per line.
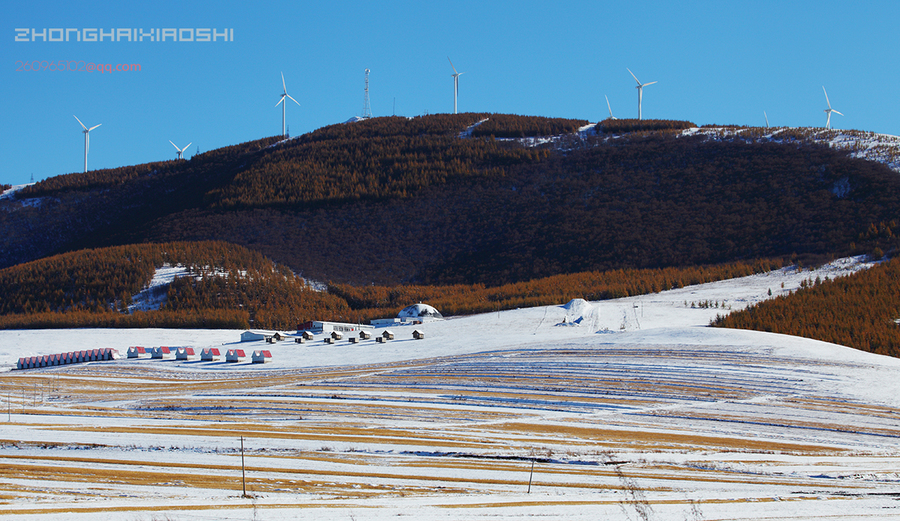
x=209, y=354
x=259, y=357
x=234, y=355
x=159, y=352
x=184, y=353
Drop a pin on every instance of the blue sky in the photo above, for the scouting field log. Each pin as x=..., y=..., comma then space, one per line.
x=721, y=62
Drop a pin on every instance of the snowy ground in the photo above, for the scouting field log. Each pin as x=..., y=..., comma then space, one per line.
x=637, y=412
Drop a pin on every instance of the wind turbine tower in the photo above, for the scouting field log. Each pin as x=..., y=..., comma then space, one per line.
x=87, y=138
x=608, y=107
x=284, y=95
x=456, y=76
x=829, y=110
x=180, y=150
x=367, y=111
x=640, y=88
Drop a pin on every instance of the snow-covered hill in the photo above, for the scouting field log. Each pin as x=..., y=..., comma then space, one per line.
x=627, y=409
x=882, y=148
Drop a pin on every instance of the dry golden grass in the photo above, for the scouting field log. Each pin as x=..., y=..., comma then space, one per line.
x=661, y=439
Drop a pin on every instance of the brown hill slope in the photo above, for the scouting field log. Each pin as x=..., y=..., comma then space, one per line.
x=393, y=200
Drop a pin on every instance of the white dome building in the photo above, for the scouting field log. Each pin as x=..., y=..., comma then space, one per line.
x=415, y=314
x=419, y=311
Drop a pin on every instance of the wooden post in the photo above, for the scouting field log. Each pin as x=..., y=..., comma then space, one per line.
x=531, y=474
x=243, y=474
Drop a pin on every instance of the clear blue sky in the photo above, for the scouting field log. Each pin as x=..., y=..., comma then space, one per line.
x=721, y=62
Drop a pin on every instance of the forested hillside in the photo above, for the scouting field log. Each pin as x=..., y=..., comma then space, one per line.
x=453, y=199
x=861, y=311
x=228, y=286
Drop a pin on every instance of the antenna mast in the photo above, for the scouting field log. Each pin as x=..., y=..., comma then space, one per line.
x=367, y=111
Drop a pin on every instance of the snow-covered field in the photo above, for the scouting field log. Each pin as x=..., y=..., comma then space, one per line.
x=627, y=409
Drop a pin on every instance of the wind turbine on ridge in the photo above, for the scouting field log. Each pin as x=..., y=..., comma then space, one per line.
x=180, y=150
x=610, y=108
x=283, y=95
x=829, y=110
x=640, y=88
x=87, y=138
x=456, y=76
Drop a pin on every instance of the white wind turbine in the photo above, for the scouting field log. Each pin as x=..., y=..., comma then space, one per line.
x=610, y=108
x=284, y=95
x=829, y=110
x=640, y=88
x=180, y=150
x=87, y=138
x=456, y=76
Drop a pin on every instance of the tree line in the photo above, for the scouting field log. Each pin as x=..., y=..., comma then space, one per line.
x=624, y=126
x=231, y=286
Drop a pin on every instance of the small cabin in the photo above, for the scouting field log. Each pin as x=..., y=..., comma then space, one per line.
x=353, y=339
x=307, y=335
x=299, y=340
x=328, y=340
x=158, y=353
x=418, y=335
x=184, y=353
x=136, y=351
x=337, y=336
x=365, y=335
x=259, y=357
x=388, y=334
x=209, y=354
x=234, y=355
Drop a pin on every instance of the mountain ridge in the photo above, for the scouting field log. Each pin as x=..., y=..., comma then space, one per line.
x=399, y=200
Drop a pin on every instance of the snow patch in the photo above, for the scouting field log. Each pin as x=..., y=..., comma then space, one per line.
x=468, y=131
x=8, y=194
x=154, y=295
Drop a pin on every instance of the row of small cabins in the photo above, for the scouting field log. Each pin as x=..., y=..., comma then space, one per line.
x=332, y=337
x=72, y=357
x=209, y=354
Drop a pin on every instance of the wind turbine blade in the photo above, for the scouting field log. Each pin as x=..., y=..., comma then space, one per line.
x=174, y=145
x=651, y=83
x=95, y=126
x=279, y=101
x=186, y=146
x=292, y=99
x=826, y=96
x=282, y=83
x=607, y=105
x=79, y=121
x=632, y=75
x=836, y=112
x=451, y=64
